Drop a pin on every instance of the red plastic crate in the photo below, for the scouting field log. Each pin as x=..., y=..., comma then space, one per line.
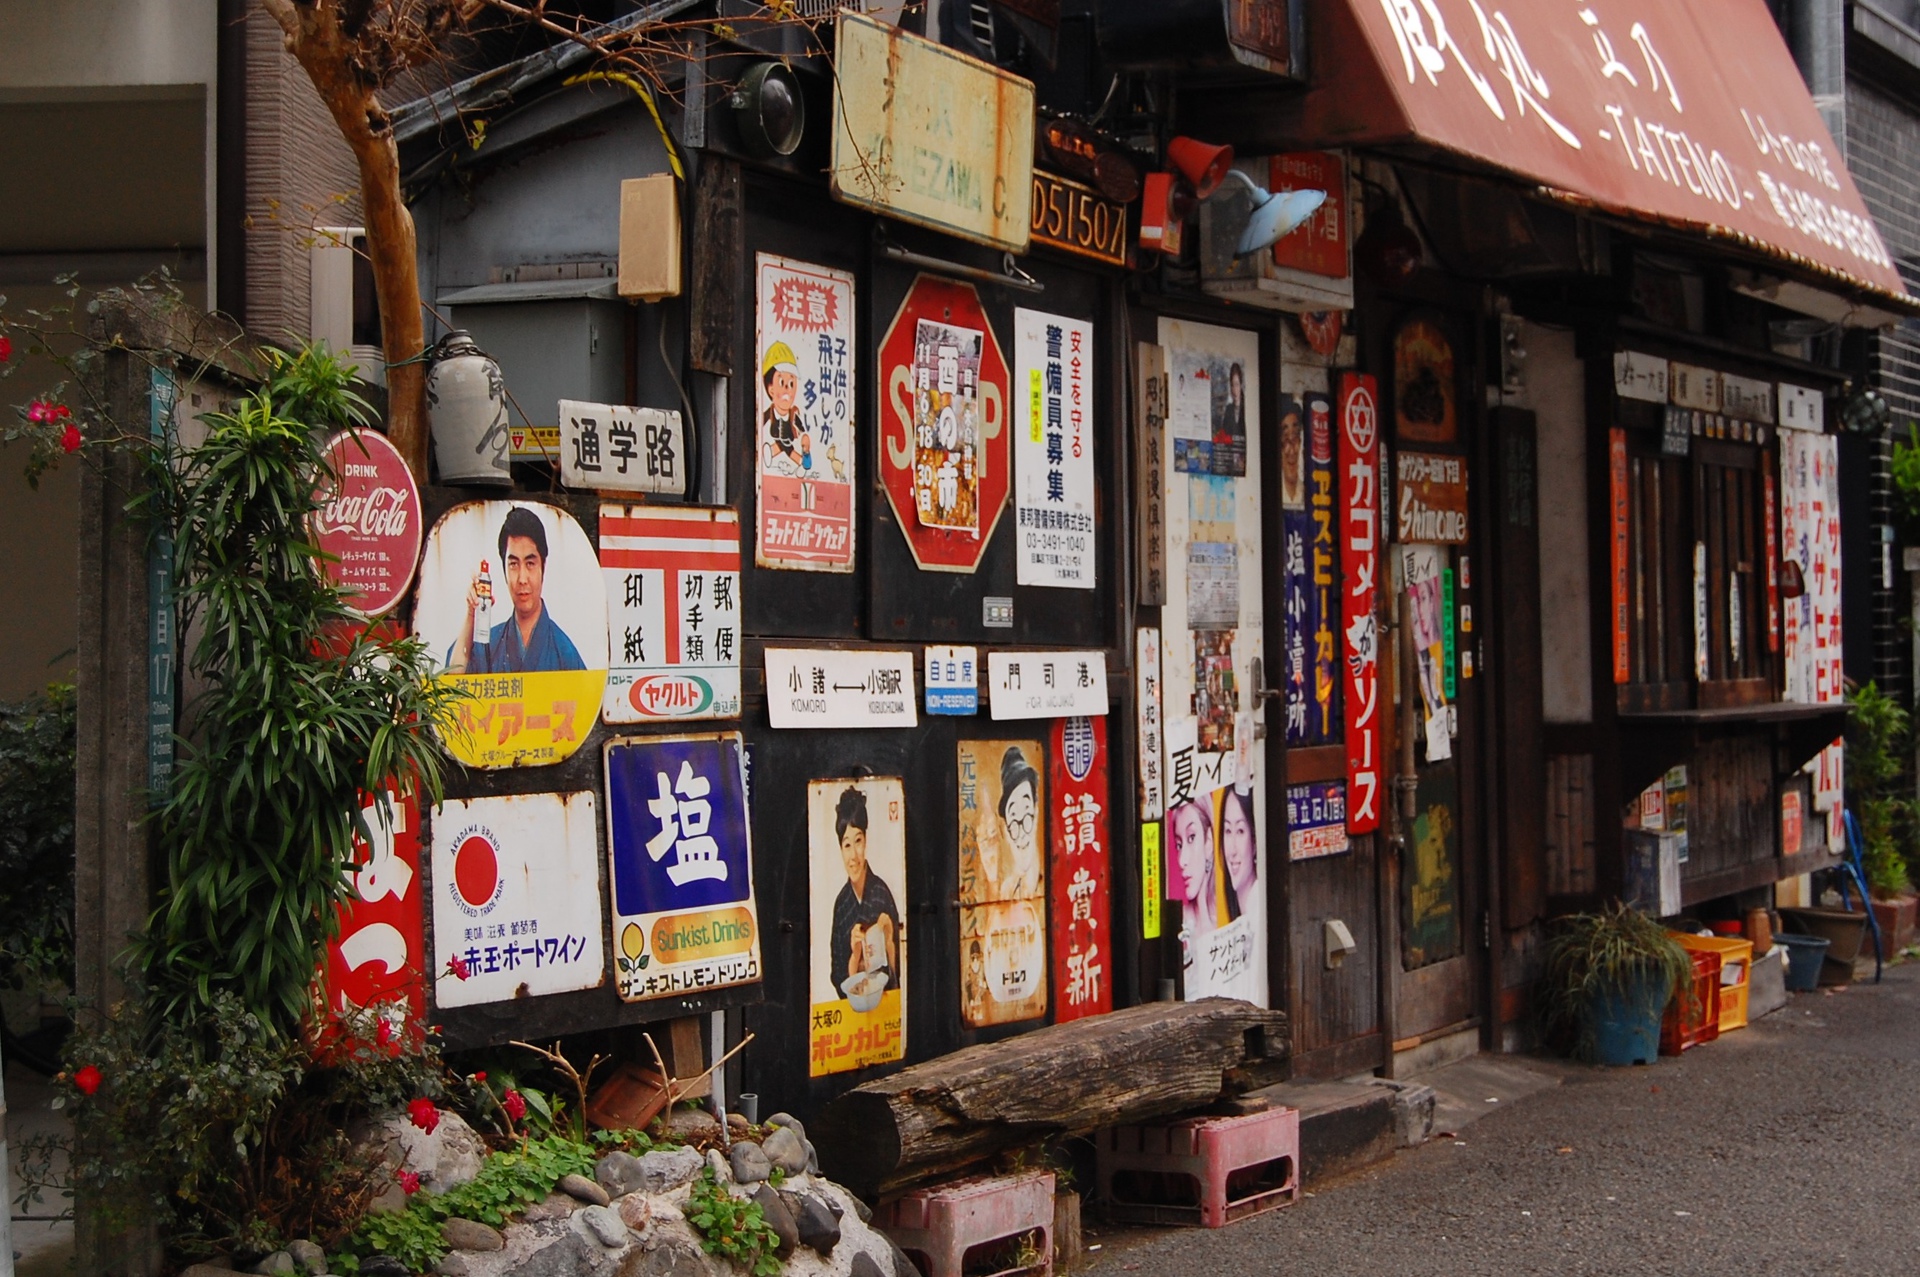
x=1208, y=1171
x=1688, y=1026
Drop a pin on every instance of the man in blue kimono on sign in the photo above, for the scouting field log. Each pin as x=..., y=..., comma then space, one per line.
x=528, y=642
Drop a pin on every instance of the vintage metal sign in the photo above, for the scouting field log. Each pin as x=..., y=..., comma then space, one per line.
x=1747, y=398
x=1053, y=450
x=1619, y=521
x=1694, y=387
x=516, y=898
x=1003, y=882
x=1638, y=376
x=1151, y=881
x=680, y=861
x=376, y=965
x=1316, y=820
x=1146, y=696
x=929, y=135
x=945, y=460
x=1425, y=392
x=1432, y=491
x=1810, y=538
x=1359, y=467
x=1046, y=684
x=953, y=680
x=804, y=422
x=1082, y=920
x=369, y=521
x=825, y=687
x=1802, y=409
x=673, y=608
x=1078, y=219
x=1150, y=492
x=1320, y=246
x=858, y=910
x=513, y=608
x=614, y=448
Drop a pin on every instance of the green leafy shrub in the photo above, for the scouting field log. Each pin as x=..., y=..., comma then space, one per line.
x=732, y=1228
x=1879, y=735
x=36, y=840
x=1592, y=954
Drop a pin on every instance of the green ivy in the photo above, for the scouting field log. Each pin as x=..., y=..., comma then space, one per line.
x=36, y=840
x=1879, y=736
x=732, y=1228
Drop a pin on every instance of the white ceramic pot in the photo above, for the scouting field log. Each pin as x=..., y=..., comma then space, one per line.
x=467, y=411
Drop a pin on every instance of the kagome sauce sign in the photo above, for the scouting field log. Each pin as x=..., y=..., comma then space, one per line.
x=944, y=447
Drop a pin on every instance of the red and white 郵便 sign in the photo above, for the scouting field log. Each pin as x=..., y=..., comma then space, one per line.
x=369, y=522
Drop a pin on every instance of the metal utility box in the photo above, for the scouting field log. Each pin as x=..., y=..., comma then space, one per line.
x=553, y=339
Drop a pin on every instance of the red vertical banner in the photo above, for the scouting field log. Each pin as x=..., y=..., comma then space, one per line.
x=1077, y=756
x=376, y=966
x=1771, y=551
x=1359, y=464
x=1617, y=501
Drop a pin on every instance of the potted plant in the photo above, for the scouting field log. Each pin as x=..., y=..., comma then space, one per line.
x=1608, y=978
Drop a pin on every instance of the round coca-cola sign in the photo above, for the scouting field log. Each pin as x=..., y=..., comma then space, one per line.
x=369, y=521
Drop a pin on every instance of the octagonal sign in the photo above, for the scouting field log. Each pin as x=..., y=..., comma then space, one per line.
x=944, y=448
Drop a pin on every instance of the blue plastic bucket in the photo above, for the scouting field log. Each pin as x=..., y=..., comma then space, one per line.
x=1804, y=956
x=1626, y=1020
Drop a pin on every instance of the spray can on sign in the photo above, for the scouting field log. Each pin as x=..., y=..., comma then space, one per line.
x=483, y=611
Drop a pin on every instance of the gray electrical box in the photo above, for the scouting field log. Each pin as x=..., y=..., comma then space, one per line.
x=553, y=339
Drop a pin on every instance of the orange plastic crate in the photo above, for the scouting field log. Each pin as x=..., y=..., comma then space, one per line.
x=1689, y=1025
x=1736, y=965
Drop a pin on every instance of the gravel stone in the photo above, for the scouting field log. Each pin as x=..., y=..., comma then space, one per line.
x=786, y=1150
x=779, y=1217
x=471, y=1234
x=749, y=1162
x=606, y=1225
x=580, y=1188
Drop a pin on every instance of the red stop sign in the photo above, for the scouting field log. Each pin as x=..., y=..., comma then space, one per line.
x=945, y=458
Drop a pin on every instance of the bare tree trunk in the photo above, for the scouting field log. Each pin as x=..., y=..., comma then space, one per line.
x=329, y=55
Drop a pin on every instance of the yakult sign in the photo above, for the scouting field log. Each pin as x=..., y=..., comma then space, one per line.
x=369, y=521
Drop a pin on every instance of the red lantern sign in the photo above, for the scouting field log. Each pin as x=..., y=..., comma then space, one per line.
x=1360, y=549
x=944, y=447
x=369, y=521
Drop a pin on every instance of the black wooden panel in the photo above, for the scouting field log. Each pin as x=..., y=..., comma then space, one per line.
x=1333, y=1006
x=945, y=607
x=1731, y=808
x=713, y=300
x=1515, y=625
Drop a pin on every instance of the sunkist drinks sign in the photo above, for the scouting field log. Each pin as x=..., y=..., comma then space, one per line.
x=369, y=521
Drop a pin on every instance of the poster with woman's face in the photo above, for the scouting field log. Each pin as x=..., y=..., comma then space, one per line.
x=513, y=608
x=1213, y=870
x=857, y=913
x=1003, y=830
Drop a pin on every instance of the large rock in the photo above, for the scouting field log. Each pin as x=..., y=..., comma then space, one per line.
x=789, y=1121
x=278, y=1262
x=606, y=1225
x=779, y=1218
x=818, y=1226
x=690, y=1126
x=580, y=1188
x=308, y=1255
x=453, y=1264
x=749, y=1162
x=658, y=1172
x=864, y=1265
x=669, y=1261
x=471, y=1234
x=446, y=1159
x=786, y=1150
x=722, y=1173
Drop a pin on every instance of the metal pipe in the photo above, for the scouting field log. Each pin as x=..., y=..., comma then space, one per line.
x=1817, y=33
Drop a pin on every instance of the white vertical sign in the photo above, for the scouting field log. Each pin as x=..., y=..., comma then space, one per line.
x=1053, y=449
x=1146, y=665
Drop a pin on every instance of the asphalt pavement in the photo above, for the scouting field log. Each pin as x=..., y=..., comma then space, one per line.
x=1789, y=1147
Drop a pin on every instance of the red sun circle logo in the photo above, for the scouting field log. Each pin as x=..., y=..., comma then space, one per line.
x=476, y=870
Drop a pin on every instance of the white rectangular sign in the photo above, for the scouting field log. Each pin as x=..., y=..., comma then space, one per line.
x=1802, y=409
x=1046, y=684
x=614, y=448
x=1694, y=387
x=827, y=687
x=1638, y=376
x=516, y=898
x=1747, y=398
x=673, y=612
x=1146, y=666
x=1053, y=450
x=953, y=680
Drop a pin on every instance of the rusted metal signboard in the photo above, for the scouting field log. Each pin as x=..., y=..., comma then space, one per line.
x=673, y=599
x=680, y=865
x=1078, y=219
x=1082, y=926
x=931, y=136
x=370, y=522
x=375, y=969
x=857, y=960
x=1432, y=488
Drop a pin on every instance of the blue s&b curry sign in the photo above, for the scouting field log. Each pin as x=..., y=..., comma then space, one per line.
x=681, y=866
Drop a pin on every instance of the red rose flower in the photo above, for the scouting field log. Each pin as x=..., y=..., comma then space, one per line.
x=479, y=1079
x=87, y=1080
x=424, y=1114
x=515, y=1104
x=458, y=968
x=70, y=438
x=39, y=411
x=6, y=349
x=382, y=1031
x=409, y=1182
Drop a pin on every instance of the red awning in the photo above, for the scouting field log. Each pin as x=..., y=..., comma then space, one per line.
x=1690, y=113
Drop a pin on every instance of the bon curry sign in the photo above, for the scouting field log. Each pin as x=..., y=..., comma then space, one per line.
x=931, y=136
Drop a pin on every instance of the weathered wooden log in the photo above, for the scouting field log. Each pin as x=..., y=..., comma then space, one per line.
x=1145, y=1062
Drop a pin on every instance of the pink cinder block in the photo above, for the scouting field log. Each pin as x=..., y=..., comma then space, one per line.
x=1206, y=1170
x=941, y=1224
